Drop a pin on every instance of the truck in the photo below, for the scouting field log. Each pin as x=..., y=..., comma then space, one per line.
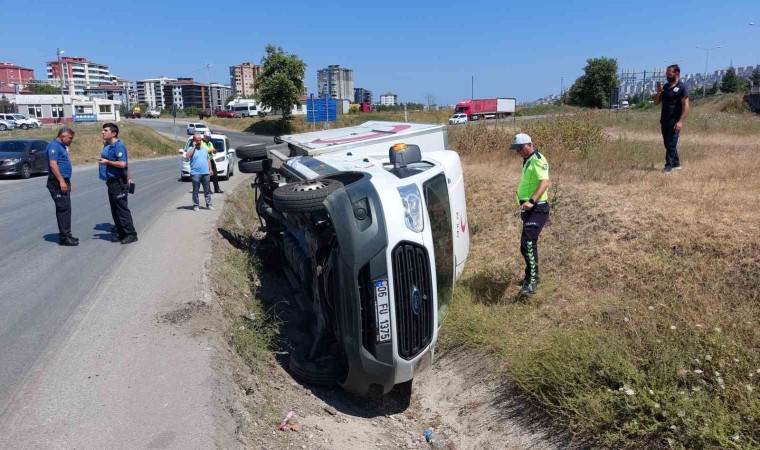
x=369, y=223
x=486, y=108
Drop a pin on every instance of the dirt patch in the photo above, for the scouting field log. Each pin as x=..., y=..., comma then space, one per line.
x=182, y=315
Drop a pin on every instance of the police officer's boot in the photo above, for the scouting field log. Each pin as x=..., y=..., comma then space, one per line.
x=69, y=241
x=527, y=289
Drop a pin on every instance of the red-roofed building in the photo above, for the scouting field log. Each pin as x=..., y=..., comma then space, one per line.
x=11, y=75
x=78, y=74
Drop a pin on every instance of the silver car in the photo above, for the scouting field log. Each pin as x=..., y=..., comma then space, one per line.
x=6, y=125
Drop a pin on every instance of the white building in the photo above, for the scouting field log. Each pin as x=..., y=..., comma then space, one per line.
x=219, y=93
x=336, y=81
x=151, y=92
x=96, y=110
x=78, y=74
x=389, y=99
x=47, y=108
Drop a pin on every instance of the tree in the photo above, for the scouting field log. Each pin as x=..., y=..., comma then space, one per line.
x=431, y=100
x=755, y=77
x=6, y=106
x=732, y=82
x=42, y=89
x=280, y=84
x=592, y=89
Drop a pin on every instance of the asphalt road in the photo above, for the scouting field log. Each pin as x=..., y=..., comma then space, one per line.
x=43, y=284
x=167, y=128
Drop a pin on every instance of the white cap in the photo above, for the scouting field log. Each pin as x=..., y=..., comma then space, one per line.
x=208, y=133
x=520, y=140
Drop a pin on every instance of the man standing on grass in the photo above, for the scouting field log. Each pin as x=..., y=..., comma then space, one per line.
x=533, y=198
x=59, y=184
x=675, y=107
x=114, y=165
x=200, y=168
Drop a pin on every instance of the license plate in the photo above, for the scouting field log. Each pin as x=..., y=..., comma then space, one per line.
x=383, y=305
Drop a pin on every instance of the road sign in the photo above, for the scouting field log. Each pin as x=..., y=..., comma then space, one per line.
x=321, y=109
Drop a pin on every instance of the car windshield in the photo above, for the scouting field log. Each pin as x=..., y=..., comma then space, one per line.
x=18, y=117
x=12, y=147
x=218, y=144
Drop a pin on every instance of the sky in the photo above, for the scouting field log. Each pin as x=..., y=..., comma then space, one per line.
x=412, y=48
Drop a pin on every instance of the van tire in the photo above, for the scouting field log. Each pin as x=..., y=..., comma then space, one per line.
x=254, y=165
x=318, y=373
x=252, y=151
x=304, y=196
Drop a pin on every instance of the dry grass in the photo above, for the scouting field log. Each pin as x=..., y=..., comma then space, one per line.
x=141, y=142
x=650, y=283
x=274, y=126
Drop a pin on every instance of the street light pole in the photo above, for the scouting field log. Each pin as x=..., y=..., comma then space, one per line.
x=58, y=52
x=707, y=56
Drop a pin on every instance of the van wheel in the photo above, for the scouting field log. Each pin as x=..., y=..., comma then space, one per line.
x=304, y=196
x=324, y=371
x=252, y=151
x=254, y=165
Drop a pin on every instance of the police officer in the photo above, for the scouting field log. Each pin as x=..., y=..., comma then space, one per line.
x=675, y=107
x=113, y=170
x=59, y=184
x=209, y=146
x=533, y=198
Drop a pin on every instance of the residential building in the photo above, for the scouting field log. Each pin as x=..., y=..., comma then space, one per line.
x=362, y=95
x=113, y=92
x=242, y=78
x=336, y=81
x=151, y=92
x=187, y=93
x=78, y=74
x=47, y=108
x=12, y=75
x=219, y=93
x=389, y=99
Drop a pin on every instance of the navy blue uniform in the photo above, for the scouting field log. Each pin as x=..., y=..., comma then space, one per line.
x=672, y=108
x=118, y=189
x=58, y=152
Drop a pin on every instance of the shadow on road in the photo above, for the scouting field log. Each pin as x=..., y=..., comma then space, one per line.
x=186, y=208
x=51, y=237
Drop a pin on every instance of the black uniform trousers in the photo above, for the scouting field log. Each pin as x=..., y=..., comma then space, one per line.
x=533, y=222
x=118, y=191
x=670, y=139
x=62, y=202
x=215, y=177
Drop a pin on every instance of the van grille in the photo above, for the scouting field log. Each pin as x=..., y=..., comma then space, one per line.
x=412, y=289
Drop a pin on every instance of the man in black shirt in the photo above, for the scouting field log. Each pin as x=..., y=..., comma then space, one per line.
x=675, y=107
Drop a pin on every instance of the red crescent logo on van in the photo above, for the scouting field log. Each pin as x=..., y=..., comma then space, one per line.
x=463, y=225
x=361, y=137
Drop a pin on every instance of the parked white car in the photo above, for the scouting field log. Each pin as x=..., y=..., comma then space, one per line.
x=224, y=157
x=153, y=114
x=458, y=118
x=21, y=120
x=197, y=128
x=6, y=125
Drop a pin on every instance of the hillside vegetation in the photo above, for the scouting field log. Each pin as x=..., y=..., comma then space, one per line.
x=646, y=328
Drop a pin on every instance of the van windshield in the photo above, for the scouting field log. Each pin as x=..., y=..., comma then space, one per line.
x=437, y=200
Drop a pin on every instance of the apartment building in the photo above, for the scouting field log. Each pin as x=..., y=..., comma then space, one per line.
x=12, y=75
x=242, y=78
x=187, y=93
x=337, y=82
x=151, y=92
x=389, y=99
x=78, y=74
x=362, y=95
x=219, y=93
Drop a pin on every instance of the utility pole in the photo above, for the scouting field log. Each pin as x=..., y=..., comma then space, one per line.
x=707, y=56
x=562, y=89
x=58, y=52
x=208, y=88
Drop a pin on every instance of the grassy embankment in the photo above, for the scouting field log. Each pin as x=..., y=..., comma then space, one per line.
x=646, y=328
x=142, y=142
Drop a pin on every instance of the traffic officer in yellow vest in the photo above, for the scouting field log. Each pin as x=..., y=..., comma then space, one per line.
x=533, y=198
x=209, y=146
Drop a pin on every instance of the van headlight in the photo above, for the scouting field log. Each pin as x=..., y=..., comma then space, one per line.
x=412, y=202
